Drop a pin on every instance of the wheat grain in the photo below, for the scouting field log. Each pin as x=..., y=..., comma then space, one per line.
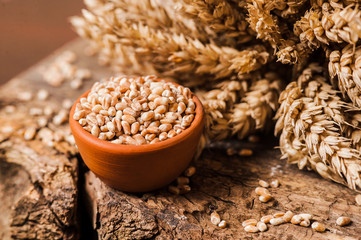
x=343, y=221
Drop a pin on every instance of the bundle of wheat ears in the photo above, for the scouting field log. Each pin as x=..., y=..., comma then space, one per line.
x=250, y=62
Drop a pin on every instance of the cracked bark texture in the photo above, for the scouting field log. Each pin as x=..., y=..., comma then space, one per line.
x=38, y=185
x=38, y=189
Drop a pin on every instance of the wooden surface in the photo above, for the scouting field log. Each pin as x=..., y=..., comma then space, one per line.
x=38, y=179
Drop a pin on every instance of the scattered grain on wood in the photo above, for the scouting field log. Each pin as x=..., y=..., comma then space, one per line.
x=263, y=183
x=276, y=221
x=189, y=172
x=247, y=222
x=231, y=151
x=358, y=199
x=265, y=198
x=288, y=216
x=261, y=226
x=251, y=229
x=222, y=224
x=343, y=221
x=254, y=139
x=275, y=183
x=215, y=218
x=318, y=227
x=296, y=219
x=42, y=94
x=30, y=133
x=305, y=223
x=245, y=152
x=266, y=219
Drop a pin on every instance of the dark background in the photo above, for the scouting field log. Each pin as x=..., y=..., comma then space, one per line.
x=31, y=30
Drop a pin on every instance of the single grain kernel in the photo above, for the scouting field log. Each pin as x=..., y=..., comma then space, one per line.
x=358, y=199
x=266, y=219
x=263, y=183
x=245, y=152
x=129, y=140
x=163, y=136
x=251, y=229
x=265, y=198
x=215, y=218
x=128, y=118
x=150, y=137
x=276, y=221
x=139, y=139
x=189, y=172
x=182, y=180
x=288, y=216
x=222, y=224
x=155, y=140
x=135, y=128
x=296, y=219
x=253, y=139
x=147, y=116
x=278, y=214
x=262, y=191
x=231, y=151
x=30, y=133
x=173, y=189
x=153, y=129
x=126, y=127
x=305, y=223
x=95, y=131
x=261, y=226
x=318, y=227
x=42, y=94
x=165, y=127
x=343, y=221
x=184, y=189
x=275, y=183
x=249, y=222
x=305, y=216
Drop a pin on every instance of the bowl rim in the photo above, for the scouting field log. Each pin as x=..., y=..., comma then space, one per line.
x=105, y=145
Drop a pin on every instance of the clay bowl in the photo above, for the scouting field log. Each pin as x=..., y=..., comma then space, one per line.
x=141, y=168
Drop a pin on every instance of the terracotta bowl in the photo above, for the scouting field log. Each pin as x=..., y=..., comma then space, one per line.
x=141, y=168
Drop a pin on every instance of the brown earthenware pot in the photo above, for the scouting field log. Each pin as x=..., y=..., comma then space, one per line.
x=141, y=168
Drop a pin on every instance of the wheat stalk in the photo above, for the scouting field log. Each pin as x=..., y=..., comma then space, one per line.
x=312, y=123
x=173, y=55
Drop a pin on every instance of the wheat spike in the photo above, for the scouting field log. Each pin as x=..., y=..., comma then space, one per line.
x=257, y=107
x=240, y=108
x=319, y=27
x=312, y=125
x=222, y=17
x=176, y=55
x=269, y=28
x=345, y=67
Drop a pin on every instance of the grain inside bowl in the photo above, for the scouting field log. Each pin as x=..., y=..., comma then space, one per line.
x=135, y=110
